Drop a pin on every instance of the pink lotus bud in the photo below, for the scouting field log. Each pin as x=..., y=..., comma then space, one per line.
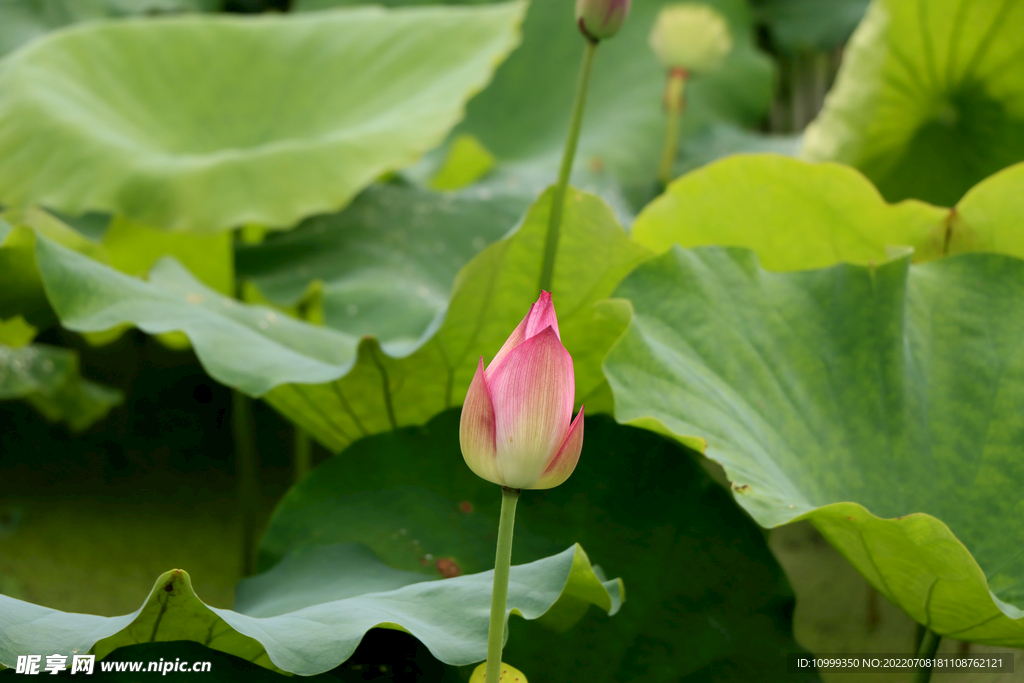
x=600, y=19
x=515, y=428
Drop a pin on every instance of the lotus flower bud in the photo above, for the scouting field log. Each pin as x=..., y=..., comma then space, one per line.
x=600, y=19
x=517, y=428
x=692, y=37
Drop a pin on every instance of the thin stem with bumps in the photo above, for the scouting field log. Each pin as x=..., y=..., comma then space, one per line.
x=547, y=271
x=499, y=593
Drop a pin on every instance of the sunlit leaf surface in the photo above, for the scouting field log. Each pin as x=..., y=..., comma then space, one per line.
x=796, y=215
x=207, y=122
x=930, y=97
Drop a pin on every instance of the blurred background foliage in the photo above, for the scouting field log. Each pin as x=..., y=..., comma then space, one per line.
x=119, y=461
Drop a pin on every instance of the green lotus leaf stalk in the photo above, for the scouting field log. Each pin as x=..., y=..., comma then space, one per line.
x=597, y=20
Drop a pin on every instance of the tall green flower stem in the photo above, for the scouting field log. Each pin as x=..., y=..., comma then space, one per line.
x=499, y=593
x=302, y=455
x=927, y=649
x=674, y=105
x=248, y=486
x=547, y=271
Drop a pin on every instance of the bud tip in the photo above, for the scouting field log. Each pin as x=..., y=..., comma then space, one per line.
x=601, y=19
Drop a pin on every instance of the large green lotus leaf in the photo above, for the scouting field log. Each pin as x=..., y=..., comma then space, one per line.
x=929, y=99
x=988, y=218
x=47, y=378
x=884, y=404
x=837, y=611
x=321, y=382
x=385, y=265
x=127, y=246
x=134, y=248
x=23, y=20
x=491, y=295
x=252, y=348
x=523, y=116
x=204, y=122
x=21, y=290
x=704, y=593
x=307, y=615
x=797, y=215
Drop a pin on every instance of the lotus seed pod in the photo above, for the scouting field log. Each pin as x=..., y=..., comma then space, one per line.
x=600, y=19
x=689, y=36
x=509, y=674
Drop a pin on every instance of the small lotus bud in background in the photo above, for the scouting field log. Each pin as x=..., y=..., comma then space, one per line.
x=517, y=428
x=600, y=19
x=690, y=36
x=687, y=38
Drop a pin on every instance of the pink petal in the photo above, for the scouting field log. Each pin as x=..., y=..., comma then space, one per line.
x=564, y=462
x=476, y=429
x=517, y=337
x=532, y=392
x=542, y=315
